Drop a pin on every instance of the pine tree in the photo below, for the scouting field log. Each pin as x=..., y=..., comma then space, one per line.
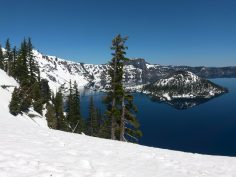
x=26, y=99
x=36, y=95
x=130, y=125
x=78, y=117
x=116, y=89
x=33, y=68
x=59, y=110
x=74, y=119
x=69, y=110
x=120, y=104
x=21, y=68
x=14, y=59
x=115, y=72
x=14, y=105
x=45, y=91
x=1, y=58
x=8, y=57
x=93, y=123
x=51, y=116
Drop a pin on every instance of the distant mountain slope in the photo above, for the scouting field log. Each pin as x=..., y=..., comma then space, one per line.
x=29, y=149
x=138, y=71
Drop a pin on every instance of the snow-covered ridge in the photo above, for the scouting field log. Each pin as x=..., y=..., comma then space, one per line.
x=29, y=149
x=137, y=72
x=60, y=71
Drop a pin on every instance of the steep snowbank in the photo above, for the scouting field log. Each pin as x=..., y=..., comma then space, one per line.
x=27, y=149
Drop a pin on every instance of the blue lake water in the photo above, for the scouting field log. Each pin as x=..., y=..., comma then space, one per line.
x=209, y=128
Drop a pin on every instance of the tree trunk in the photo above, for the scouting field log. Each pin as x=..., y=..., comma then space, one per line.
x=8, y=67
x=122, y=121
x=113, y=124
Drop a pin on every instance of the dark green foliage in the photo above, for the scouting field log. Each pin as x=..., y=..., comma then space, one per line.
x=93, y=119
x=8, y=58
x=76, y=123
x=21, y=68
x=37, y=98
x=33, y=68
x=13, y=64
x=45, y=91
x=1, y=58
x=59, y=110
x=26, y=99
x=104, y=128
x=51, y=116
x=120, y=108
x=132, y=131
x=21, y=65
x=20, y=101
x=14, y=105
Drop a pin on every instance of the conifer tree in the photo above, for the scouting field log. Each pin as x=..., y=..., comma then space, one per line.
x=8, y=57
x=1, y=58
x=129, y=125
x=26, y=99
x=51, y=116
x=36, y=94
x=69, y=110
x=33, y=68
x=73, y=110
x=59, y=110
x=120, y=104
x=116, y=74
x=14, y=105
x=14, y=59
x=93, y=123
x=21, y=68
x=45, y=91
x=78, y=117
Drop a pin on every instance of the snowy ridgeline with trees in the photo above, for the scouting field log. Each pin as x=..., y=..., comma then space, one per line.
x=62, y=108
x=29, y=148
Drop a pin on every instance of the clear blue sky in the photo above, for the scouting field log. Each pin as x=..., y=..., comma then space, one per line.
x=169, y=32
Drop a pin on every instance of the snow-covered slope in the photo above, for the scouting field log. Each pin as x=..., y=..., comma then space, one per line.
x=28, y=149
x=137, y=72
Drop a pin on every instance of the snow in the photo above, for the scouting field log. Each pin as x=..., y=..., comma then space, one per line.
x=61, y=70
x=166, y=95
x=28, y=148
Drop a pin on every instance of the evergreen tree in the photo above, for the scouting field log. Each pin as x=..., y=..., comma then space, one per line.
x=45, y=91
x=21, y=68
x=20, y=101
x=14, y=105
x=8, y=57
x=14, y=59
x=120, y=104
x=115, y=73
x=33, y=68
x=51, y=116
x=69, y=110
x=1, y=58
x=93, y=123
x=59, y=110
x=76, y=123
x=36, y=94
x=78, y=117
x=129, y=126
x=26, y=99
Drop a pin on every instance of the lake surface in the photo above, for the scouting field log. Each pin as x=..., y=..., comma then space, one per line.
x=209, y=128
